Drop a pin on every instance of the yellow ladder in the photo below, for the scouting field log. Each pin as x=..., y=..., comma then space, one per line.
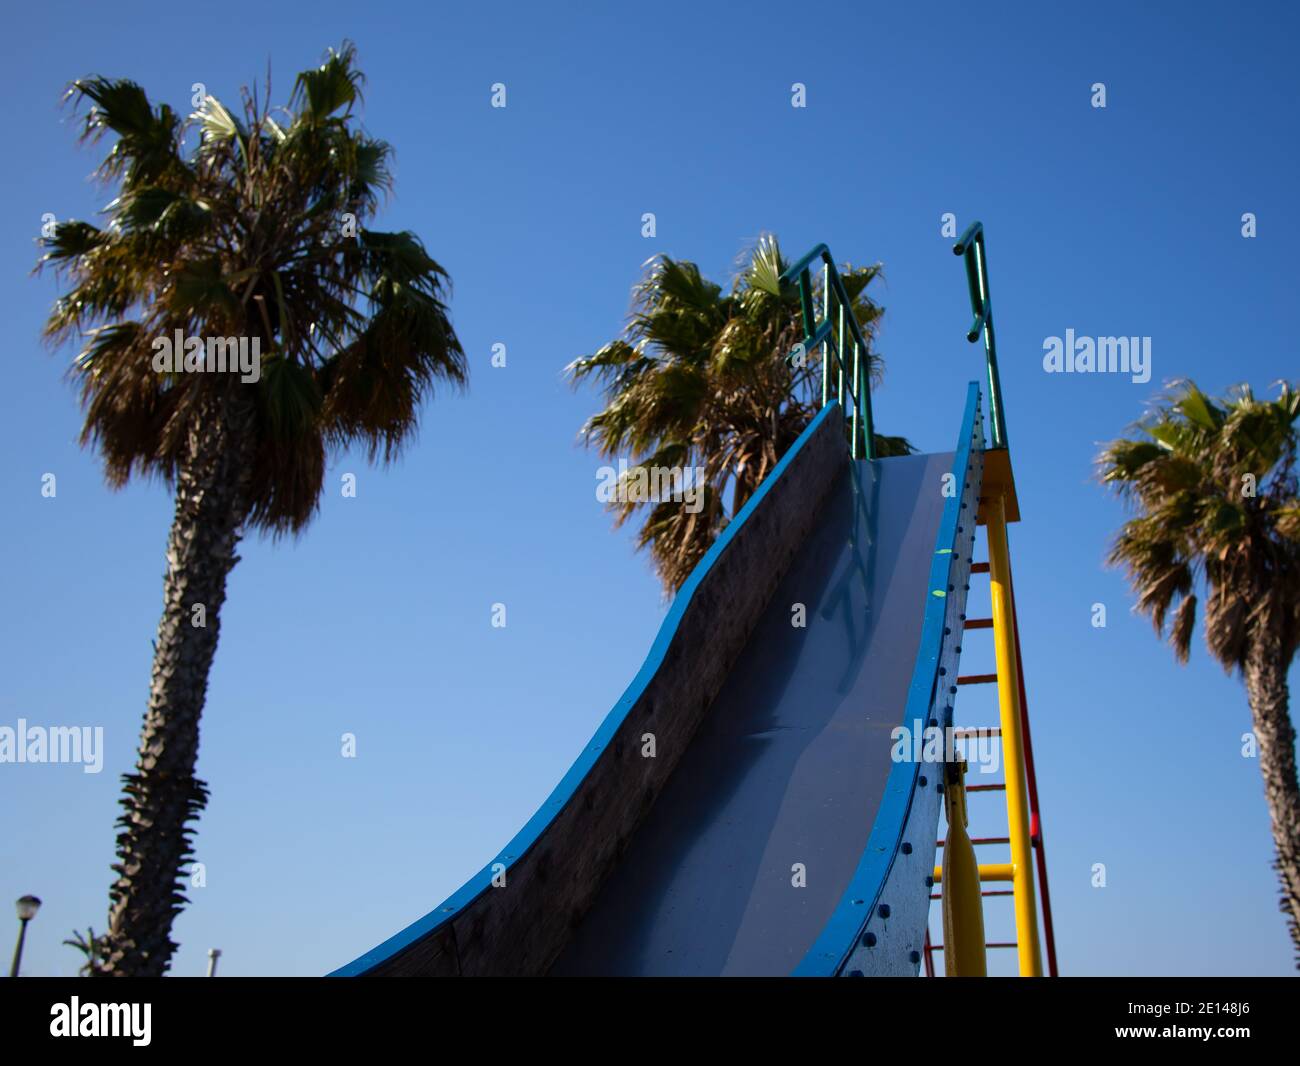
x=964, y=945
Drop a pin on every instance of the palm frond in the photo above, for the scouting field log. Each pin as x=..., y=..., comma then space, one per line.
x=699, y=375
x=333, y=86
x=262, y=233
x=1214, y=486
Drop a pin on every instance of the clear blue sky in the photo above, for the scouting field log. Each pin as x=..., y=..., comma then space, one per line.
x=1122, y=221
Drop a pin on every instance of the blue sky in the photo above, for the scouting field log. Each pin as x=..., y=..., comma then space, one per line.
x=1117, y=221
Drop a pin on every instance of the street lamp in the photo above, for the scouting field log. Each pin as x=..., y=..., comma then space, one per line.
x=27, y=908
x=213, y=955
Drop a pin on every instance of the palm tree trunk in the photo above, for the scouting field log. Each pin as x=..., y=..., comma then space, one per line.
x=1266, y=687
x=163, y=795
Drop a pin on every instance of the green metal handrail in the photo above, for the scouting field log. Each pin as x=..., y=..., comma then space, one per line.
x=824, y=334
x=971, y=246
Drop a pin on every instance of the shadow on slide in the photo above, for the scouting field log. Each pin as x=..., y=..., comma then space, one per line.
x=738, y=812
x=782, y=783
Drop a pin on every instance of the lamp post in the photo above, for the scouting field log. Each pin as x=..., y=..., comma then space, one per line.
x=27, y=908
x=213, y=955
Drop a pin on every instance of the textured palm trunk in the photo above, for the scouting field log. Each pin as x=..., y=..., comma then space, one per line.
x=1266, y=687
x=163, y=796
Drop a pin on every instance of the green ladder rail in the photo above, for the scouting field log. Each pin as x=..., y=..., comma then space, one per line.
x=971, y=247
x=837, y=334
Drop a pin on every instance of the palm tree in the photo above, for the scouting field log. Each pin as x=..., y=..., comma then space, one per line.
x=698, y=381
x=91, y=947
x=1214, y=484
x=256, y=231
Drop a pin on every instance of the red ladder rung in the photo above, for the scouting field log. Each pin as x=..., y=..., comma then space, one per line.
x=988, y=892
x=978, y=679
x=979, y=568
x=979, y=623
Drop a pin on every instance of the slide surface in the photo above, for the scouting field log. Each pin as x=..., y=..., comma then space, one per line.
x=743, y=858
x=770, y=832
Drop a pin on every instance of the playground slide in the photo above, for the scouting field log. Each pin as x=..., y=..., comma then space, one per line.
x=738, y=812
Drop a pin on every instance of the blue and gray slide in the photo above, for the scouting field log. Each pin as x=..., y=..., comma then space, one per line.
x=738, y=812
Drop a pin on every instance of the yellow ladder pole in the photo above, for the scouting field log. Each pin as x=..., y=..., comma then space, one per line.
x=988, y=871
x=1013, y=755
x=963, y=909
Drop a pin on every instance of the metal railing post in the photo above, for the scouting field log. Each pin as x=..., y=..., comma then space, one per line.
x=971, y=248
x=857, y=406
x=854, y=381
